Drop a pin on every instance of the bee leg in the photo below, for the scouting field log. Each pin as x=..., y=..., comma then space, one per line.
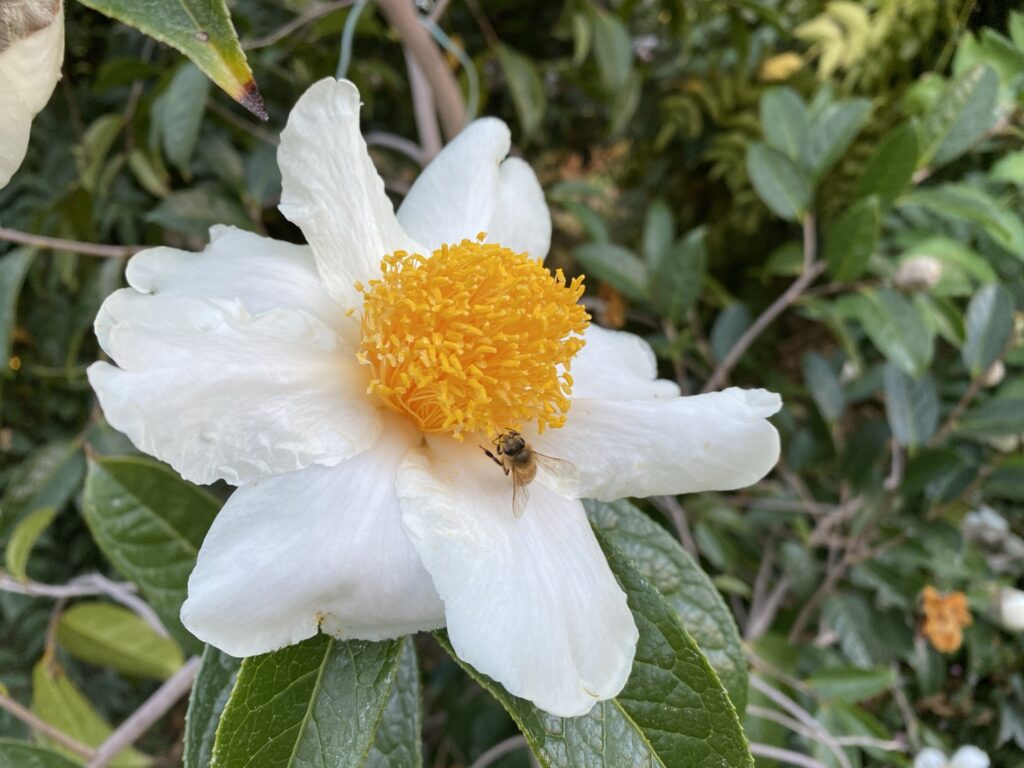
x=495, y=459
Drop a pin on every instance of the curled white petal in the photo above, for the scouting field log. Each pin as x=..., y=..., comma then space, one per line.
x=219, y=393
x=929, y=757
x=616, y=365
x=521, y=219
x=323, y=548
x=714, y=442
x=969, y=757
x=530, y=602
x=332, y=191
x=29, y=71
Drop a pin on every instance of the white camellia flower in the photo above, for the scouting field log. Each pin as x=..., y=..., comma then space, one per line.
x=1011, y=609
x=965, y=757
x=347, y=387
x=31, y=55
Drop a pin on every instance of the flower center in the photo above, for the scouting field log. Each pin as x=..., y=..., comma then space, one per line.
x=475, y=338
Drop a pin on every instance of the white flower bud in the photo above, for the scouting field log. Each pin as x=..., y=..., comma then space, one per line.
x=1011, y=609
x=994, y=375
x=917, y=273
x=31, y=55
x=985, y=526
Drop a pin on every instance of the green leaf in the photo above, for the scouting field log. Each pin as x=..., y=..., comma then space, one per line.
x=867, y=635
x=683, y=583
x=728, y=327
x=911, y=405
x=13, y=268
x=210, y=692
x=988, y=325
x=963, y=113
x=150, y=524
x=850, y=239
x=18, y=754
x=672, y=712
x=659, y=233
x=110, y=635
x=891, y=166
x=780, y=184
x=178, y=115
x=24, y=537
x=1009, y=168
x=896, y=329
x=823, y=386
x=785, y=121
x=312, y=704
x=526, y=87
x=960, y=201
x=200, y=29
x=852, y=683
x=194, y=211
x=398, y=736
x=48, y=477
x=613, y=50
x=615, y=265
x=831, y=133
x=678, y=276
x=994, y=418
x=56, y=700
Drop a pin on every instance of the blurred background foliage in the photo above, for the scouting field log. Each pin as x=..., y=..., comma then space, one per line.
x=821, y=198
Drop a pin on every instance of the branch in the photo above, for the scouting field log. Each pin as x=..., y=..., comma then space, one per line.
x=404, y=18
x=74, y=246
x=812, y=269
x=155, y=707
x=298, y=22
x=41, y=726
x=784, y=755
x=498, y=751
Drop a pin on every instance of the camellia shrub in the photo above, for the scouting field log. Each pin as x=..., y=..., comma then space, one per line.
x=583, y=384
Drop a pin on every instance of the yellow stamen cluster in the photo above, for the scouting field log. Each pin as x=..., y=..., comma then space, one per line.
x=473, y=339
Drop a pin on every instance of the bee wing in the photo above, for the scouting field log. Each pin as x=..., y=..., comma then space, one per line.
x=560, y=469
x=520, y=494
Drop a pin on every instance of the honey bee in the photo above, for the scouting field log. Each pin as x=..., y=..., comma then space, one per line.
x=515, y=456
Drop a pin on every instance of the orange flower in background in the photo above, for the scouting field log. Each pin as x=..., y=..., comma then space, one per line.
x=945, y=617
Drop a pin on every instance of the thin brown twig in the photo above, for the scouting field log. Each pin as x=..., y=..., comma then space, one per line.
x=403, y=16
x=140, y=721
x=314, y=13
x=784, y=756
x=498, y=751
x=423, y=108
x=40, y=726
x=812, y=269
x=74, y=246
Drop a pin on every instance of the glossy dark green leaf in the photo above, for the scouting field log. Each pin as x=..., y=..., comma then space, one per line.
x=961, y=201
x=312, y=704
x=48, y=477
x=999, y=416
x=23, y=539
x=683, y=583
x=988, y=325
x=672, y=712
x=613, y=264
x=778, y=181
x=202, y=30
x=150, y=524
x=677, y=278
x=659, y=233
x=18, y=754
x=785, y=121
x=823, y=386
x=891, y=166
x=210, y=692
x=729, y=325
x=13, y=268
x=526, y=87
x=911, y=405
x=963, y=113
x=178, y=115
x=398, y=743
x=831, y=132
x=194, y=211
x=613, y=50
x=896, y=328
x=850, y=239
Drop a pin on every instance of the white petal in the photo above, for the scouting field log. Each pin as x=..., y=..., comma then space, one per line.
x=714, y=442
x=456, y=195
x=930, y=758
x=615, y=365
x=331, y=190
x=321, y=547
x=263, y=273
x=531, y=602
x=521, y=219
x=222, y=394
x=969, y=757
x=29, y=71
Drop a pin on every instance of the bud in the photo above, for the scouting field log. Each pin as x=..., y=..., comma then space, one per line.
x=917, y=273
x=994, y=375
x=985, y=526
x=969, y=757
x=31, y=55
x=1010, y=610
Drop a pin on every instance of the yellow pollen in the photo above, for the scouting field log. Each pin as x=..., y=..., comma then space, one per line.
x=473, y=339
